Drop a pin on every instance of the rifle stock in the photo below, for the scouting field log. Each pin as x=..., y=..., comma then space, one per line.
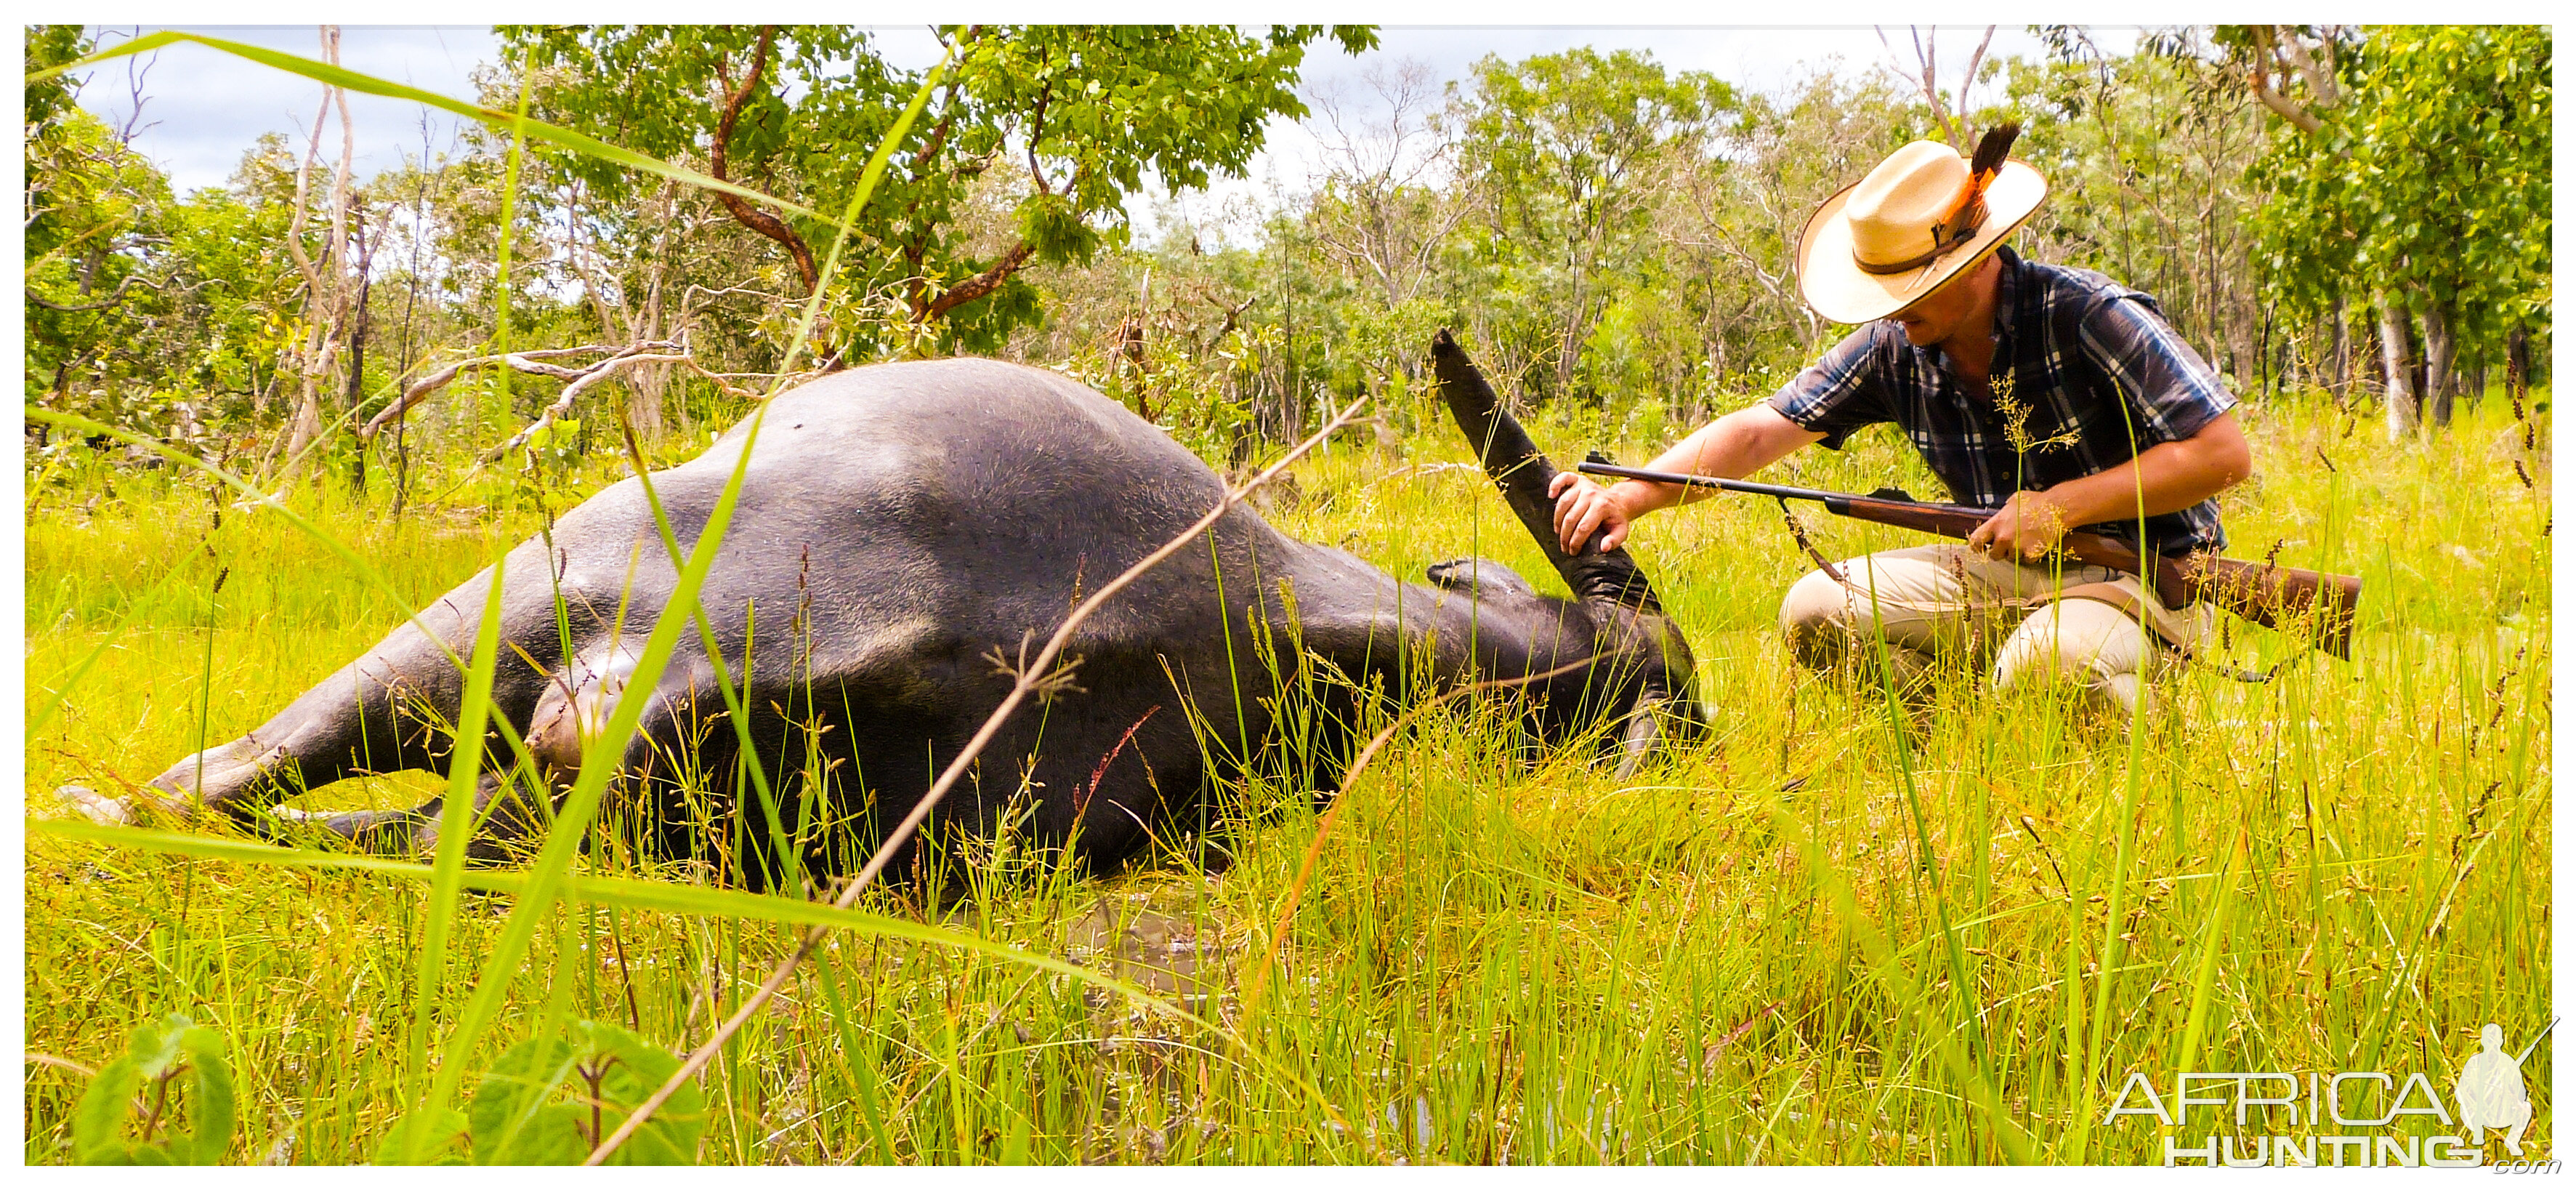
x=2319, y=607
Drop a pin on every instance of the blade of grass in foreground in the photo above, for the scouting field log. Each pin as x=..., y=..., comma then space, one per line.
x=601, y=756
x=455, y=825
x=622, y=892
x=2213, y=941
x=342, y=77
x=501, y=258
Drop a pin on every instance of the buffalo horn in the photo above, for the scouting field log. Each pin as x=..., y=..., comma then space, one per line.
x=1524, y=474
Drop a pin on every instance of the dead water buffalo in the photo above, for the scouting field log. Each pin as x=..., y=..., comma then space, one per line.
x=900, y=523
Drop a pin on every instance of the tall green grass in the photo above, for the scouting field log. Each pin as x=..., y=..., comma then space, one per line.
x=1734, y=955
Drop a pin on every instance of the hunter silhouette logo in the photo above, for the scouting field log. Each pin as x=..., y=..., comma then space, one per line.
x=2490, y=1090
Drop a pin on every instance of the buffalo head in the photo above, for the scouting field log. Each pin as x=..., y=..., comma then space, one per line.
x=1644, y=666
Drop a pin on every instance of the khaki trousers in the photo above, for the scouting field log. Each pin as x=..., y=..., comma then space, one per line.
x=1936, y=602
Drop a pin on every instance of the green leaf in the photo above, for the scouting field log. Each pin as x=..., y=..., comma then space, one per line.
x=158, y=1053
x=1053, y=227
x=98, y=1120
x=508, y=1117
x=212, y=1109
x=441, y=1139
x=547, y=1101
x=630, y=1069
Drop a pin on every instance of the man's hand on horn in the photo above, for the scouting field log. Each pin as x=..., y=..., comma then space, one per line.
x=2026, y=528
x=1583, y=506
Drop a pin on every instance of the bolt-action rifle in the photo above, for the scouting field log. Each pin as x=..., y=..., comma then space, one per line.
x=2318, y=606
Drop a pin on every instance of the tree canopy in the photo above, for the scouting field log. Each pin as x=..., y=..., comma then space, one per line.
x=1056, y=123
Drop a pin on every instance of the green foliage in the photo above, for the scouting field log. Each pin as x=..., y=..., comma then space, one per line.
x=95, y=209
x=48, y=46
x=2430, y=179
x=1092, y=111
x=1567, y=151
x=169, y=1070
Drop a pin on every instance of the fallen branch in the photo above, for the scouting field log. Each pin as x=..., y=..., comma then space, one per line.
x=1028, y=678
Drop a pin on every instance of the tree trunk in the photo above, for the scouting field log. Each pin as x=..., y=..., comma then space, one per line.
x=2438, y=386
x=326, y=283
x=358, y=350
x=647, y=385
x=2393, y=353
x=2517, y=360
x=2340, y=378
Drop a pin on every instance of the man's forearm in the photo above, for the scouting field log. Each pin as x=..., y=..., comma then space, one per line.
x=1731, y=447
x=2168, y=477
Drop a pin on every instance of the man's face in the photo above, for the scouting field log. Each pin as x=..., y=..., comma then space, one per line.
x=1938, y=315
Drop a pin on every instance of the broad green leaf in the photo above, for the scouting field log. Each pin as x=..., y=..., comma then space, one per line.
x=211, y=1106
x=98, y=1120
x=508, y=1117
x=548, y=1100
x=441, y=1139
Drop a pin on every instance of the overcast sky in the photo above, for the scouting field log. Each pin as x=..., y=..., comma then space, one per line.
x=202, y=108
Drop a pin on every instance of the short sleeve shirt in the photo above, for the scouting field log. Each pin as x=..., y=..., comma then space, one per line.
x=2086, y=374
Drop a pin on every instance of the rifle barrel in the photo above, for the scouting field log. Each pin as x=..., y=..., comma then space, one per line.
x=1777, y=491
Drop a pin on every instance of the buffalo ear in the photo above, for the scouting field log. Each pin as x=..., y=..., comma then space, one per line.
x=1483, y=578
x=1644, y=733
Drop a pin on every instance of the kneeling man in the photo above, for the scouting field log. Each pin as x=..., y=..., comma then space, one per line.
x=2053, y=394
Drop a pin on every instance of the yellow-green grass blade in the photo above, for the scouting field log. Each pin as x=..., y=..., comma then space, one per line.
x=63, y=690
x=455, y=825
x=600, y=756
x=337, y=76
x=2213, y=941
x=501, y=255
x=622, y=892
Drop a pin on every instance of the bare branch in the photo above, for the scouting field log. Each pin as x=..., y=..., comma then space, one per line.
x=114, y=296
x=1970, y=78
x=2321, y=82
x=582, y=382
x=981, y=283
x=2266, y=60
x=530, y=362
x=1925, y=54
x=2283, y=105
x=743, y=212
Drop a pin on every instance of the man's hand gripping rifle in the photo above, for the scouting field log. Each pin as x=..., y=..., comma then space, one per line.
x=2317, y=606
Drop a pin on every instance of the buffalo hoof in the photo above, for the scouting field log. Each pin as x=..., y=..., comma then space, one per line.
x=105, y=811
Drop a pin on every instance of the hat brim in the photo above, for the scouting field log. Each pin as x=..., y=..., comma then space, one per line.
x=1835, y=286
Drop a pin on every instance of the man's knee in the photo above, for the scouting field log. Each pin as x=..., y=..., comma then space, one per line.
x=2083, y=644
x=1816, y=620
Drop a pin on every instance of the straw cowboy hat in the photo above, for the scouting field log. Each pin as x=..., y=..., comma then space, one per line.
x=1917, y=220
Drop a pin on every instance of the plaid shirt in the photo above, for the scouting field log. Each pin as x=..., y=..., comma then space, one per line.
x=2095, y=371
